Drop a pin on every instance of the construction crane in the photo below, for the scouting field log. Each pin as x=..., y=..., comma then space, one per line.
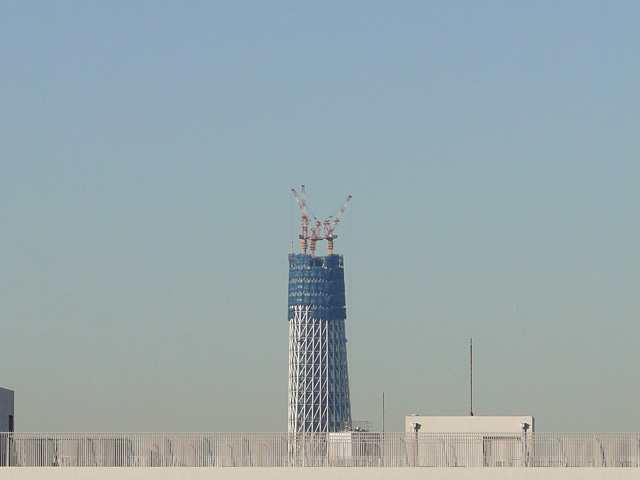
x=302, y=203
x=320, y=230
x=330, y=225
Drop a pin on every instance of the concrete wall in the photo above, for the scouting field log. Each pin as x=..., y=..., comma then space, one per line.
x=470, y=424
x=203, y=473
x=6, y=408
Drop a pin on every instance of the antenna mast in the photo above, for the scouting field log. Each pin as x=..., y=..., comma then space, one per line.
x=471, y=374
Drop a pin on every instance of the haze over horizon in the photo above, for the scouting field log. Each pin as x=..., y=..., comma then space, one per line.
x=148, y=151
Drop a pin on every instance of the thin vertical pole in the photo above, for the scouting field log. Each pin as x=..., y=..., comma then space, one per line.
x=382, y=412
x=471, y=374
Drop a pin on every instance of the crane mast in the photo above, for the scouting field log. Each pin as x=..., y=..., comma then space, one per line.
x=310, y=236
x=302, y=203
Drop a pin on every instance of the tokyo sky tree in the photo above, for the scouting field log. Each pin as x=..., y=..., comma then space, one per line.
x=318, y=375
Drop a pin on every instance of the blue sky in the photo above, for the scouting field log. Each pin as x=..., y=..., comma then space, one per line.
x=148, y=149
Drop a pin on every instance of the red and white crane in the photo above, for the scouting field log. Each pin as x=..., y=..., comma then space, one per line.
x=302, y=203
x=319, y=231
x=330, y=225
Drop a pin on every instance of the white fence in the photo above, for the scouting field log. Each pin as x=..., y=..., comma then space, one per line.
x=348, y=449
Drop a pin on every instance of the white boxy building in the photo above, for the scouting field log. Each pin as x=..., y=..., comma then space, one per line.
x=470, y=441
x=517, y=424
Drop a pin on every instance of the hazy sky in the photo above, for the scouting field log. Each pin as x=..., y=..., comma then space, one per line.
x=148, y=149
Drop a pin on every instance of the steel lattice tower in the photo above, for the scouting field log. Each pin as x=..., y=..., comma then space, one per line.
x=318, y=375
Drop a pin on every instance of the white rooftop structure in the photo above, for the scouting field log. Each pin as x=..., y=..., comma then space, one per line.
x=470, y=424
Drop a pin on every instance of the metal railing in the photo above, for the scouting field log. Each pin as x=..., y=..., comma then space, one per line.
x=345, y=449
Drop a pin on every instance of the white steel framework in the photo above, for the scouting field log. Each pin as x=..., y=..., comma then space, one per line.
x=318, y=374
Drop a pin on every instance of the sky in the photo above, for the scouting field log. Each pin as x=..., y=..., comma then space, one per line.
x=147, y=155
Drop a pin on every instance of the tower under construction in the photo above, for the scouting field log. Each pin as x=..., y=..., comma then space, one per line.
x=318, y=375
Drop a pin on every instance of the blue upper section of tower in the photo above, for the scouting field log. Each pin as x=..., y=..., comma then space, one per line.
x=317, y=282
